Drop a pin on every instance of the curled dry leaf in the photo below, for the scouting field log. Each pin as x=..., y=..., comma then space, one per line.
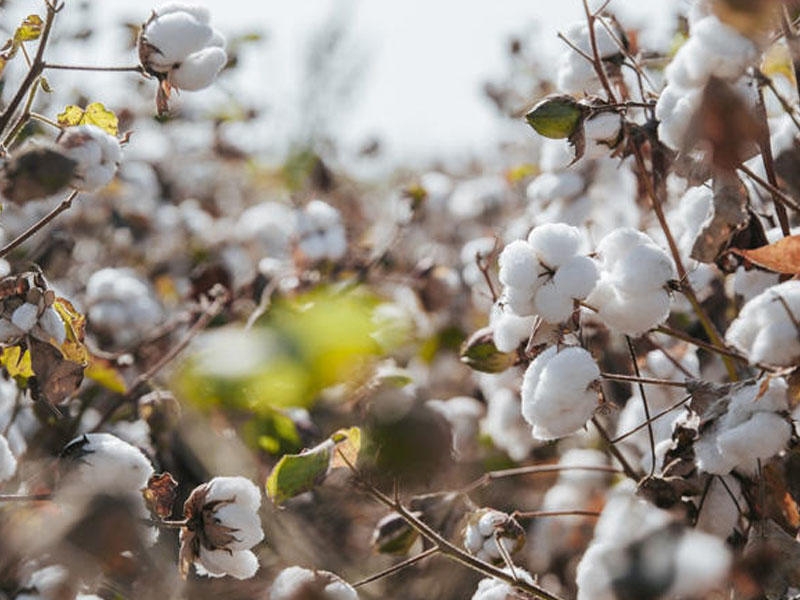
x=781, y=257
x=160, y=494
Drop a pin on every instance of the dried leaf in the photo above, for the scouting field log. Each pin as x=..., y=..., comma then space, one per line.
x=36, y=173
x=782, y=256
x=56, y=377
x=160, y=494
x=729, y=216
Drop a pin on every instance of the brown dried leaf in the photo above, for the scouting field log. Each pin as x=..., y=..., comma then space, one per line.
x=160, y=494
x=781, y=257
x=729, y=216
x=56, y=377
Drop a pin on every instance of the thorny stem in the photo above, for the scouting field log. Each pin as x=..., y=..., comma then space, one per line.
x=686, y=286
x=626, y=467
x=129, y=69
x=645, y=405
x=396, y=568
x=446, y=548
x=767, y=159
x=596, y=60
x=25, y=497
x=777, y=194
x=537, y=514
x=642, y=380
x=653, y=419
x=36, y=68
x=487, y=478
x=33, y=229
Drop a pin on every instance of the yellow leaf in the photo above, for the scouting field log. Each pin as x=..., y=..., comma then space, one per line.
x=348, y=445
x=97, y=114
x=30, y=29
x=778, y=61
x=71, y=116
x=106, y=375
x=73, y=348
x=16, y=365
x=3, y=62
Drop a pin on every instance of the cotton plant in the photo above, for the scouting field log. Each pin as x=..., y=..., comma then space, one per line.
x=178, y=45
x=753, y=427
x=492, y=535
x=558, y=392
x=298, y=583
x=575, y=489
x=638, y=546
x=222, y=525
x=97, y=155
x=714, y=49
x=765, y=329
x=632, y=293
x=545, y=274
x=121, y=306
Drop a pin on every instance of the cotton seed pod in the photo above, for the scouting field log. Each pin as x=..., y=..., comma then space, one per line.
x=486, y=529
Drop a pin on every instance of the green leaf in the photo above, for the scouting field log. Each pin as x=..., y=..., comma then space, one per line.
x=480, y=353
x=555, y=117
x=30, y=29
x=95, y=114
x=348, y=445
x=298, y=473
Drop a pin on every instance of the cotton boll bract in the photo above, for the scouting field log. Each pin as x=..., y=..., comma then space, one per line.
x=223, y=524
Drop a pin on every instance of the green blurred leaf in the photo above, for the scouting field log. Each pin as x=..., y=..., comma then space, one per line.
x=298, y=473
x=555, y=117
x=480, y=353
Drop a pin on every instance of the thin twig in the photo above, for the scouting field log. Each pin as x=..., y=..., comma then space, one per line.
x=25, y=497
x=596, y=59
x=626, y=467
x=33, y=229
x=538, y=514
x=639, y=383
x=396, y=568
x=487, y=478
x=653, y=419
x=777, y=193
x=765, y=145
x=642, y=380
x=446, y=548
x=130, y=69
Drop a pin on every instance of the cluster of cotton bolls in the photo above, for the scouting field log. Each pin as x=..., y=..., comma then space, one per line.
x=636, y=446
x=545, y=274
x=97, y=155
x=557, y=392
x=638, y=547
x=578, y=487
x=753, y=428
x=178, y=44
x=714, y=49
x=121, y=306
x=631, y=295
x=487, y=530
x=765, y=329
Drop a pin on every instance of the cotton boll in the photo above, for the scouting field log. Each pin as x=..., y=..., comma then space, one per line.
x=760, y=437
x=241, y=564
x=675, y=109
x=52, y=325
x=617, y=244
x=175, y=34
x=103, y=463
x=8, y=462
x=552, y=304
x=549, y=186
x=577, y=277
x=508, y=329
x=644, y=268
x=719, y=513
x=504, y=424
x=602, y=131
x=519, y=300
x=556, y=400
x=701, y=564
x=491, y=588
x=519, y=266
x=96, y=152
x=320, y=232
x=631, y=315
x=199, y=70
x=555, y=243
x=25, y=316
x=297, y=583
